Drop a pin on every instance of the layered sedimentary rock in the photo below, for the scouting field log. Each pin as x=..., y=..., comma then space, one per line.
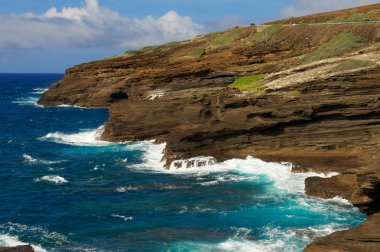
x=317, y=105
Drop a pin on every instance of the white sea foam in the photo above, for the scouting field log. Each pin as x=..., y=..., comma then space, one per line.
x=27, y=101
x=86, y=138
x=129, y=218
x=71, y=106
x=276, y=239
x=30, y=160
x=152, y=158
x=280, y=173
x=10, y=232
x=53, y=179
x=13, y=241
x=339, y=201
x=228, y=178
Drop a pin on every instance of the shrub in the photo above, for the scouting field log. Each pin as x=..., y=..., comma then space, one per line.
x=352, y=64
x=252, y=82
x=341, y=43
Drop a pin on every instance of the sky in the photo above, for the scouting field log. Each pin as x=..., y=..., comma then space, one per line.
x=49, y=36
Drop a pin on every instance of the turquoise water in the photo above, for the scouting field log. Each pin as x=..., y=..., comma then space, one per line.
x=63, y=190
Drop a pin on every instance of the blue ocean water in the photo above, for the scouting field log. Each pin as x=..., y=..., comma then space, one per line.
x=64, y=190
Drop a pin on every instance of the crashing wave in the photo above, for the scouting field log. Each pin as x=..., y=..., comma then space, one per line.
x=27, y=101
x=280, y=173
x=86, y=138
x=13, y=241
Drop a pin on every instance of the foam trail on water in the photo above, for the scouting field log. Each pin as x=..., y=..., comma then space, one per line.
x=53, y=179
x=122, y=217
x=13, y=241
x=86, y=138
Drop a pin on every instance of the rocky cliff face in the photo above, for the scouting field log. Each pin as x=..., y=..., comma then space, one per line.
x=308, y=94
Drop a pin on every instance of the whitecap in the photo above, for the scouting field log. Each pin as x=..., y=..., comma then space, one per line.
x=13, y=241
x=86, y=138
x=30, y=160
x=123, y=160
x=127, y=189
x=53, y=179
x=129, y=218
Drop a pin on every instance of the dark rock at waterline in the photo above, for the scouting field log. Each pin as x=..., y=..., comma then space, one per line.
x=23, y=248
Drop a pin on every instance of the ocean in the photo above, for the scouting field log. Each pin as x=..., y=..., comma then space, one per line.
x=62, y=189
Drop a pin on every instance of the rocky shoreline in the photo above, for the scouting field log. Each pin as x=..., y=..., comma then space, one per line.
x=306, y=109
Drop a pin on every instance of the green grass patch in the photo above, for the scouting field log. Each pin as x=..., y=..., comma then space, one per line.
x=226, y=37
x=198, y=52
x=267, y=33
x=249, y=82
x=342, y=43
x=352, y=64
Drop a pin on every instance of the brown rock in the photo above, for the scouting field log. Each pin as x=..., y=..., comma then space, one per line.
x=23, y=248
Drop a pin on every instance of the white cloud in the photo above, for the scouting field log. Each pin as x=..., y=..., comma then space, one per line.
x=91, y=26
x=304, y=7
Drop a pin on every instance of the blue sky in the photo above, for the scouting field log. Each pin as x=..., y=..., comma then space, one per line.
x=49, y=36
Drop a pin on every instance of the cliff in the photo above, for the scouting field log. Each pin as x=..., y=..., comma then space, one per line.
x=307, y=93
